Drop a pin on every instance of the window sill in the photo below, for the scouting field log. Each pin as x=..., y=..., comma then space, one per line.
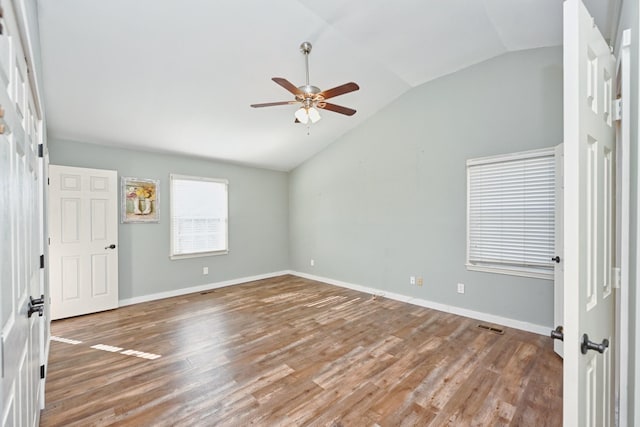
x=198, y=255
x=522, y=272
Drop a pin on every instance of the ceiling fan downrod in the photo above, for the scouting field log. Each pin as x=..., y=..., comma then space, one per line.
x=308, y=90
x=305, y=48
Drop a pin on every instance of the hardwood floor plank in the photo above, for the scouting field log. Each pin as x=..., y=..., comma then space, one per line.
x=346, y=409
x=291, y=351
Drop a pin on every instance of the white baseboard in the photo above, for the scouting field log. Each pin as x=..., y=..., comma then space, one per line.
x=478, y=315
x=199, y=288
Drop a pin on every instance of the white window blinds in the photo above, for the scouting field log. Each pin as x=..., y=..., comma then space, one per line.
x=511, y=213
x=198, y=216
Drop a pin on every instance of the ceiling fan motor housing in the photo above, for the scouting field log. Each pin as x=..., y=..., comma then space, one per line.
x=309, y=90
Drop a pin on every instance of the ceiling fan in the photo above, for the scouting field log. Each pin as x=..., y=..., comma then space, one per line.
x=311, y=98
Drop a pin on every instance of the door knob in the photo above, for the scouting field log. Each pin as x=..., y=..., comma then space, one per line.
x=556, y=259
x=37, y=301
x=35, y=309
x=590, y=345
x=558, y=333
x=36, y=306
x=111, y=246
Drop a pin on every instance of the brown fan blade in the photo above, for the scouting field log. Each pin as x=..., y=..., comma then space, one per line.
x=339, y=90
x=271, y=104
x=287, y=85
x=337, y=108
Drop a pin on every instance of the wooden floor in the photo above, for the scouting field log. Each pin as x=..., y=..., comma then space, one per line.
x=289, y=351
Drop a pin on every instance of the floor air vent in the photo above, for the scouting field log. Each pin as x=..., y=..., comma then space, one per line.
x=491, y=329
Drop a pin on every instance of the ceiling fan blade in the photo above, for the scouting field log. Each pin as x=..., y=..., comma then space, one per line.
x=337, y=108
x=287, y=85
x=271, y=104
x=339, y=90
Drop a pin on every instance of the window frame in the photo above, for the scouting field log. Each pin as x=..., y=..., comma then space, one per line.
x=514, y=270
x=172, y=254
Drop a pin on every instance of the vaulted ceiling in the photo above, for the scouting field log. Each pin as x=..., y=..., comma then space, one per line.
x=179, y=75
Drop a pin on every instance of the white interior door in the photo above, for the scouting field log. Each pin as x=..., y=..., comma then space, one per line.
x=20, y=234
x=589, y=170
x=558, y=270
x=623, y=220
x=83, y=252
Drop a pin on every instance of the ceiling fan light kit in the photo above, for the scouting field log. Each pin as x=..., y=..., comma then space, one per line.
x=310, y=98
x=303, y=115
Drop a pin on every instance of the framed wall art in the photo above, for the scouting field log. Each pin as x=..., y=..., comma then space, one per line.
x=140, y=200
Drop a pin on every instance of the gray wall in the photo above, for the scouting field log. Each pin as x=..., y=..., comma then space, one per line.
x=388, y=200
x=258, y=219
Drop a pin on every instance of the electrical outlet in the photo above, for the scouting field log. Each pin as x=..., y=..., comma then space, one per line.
x=461, y=288
x=205, y=271
x=312, y=262
x=419, y=281
x=412, y=280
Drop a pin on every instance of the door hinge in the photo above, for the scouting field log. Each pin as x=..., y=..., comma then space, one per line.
x=40, y=150
x=617, y=277
x=48, y=181
x=617, y=109
x=41, y=372
x=42, y=261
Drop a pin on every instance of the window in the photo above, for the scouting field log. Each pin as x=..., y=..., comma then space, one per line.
x=511, y=213
x=198, y=216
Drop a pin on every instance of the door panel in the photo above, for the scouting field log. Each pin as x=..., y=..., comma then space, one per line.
x=99, y=221
x=589, y=171
x=70, y=278
x=84, y=223
x=70, y=220
x=100, y=274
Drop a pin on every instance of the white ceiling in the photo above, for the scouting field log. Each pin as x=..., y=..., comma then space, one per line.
x=179, y=75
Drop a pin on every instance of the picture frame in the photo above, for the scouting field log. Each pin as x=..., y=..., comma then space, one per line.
x=140, y=200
